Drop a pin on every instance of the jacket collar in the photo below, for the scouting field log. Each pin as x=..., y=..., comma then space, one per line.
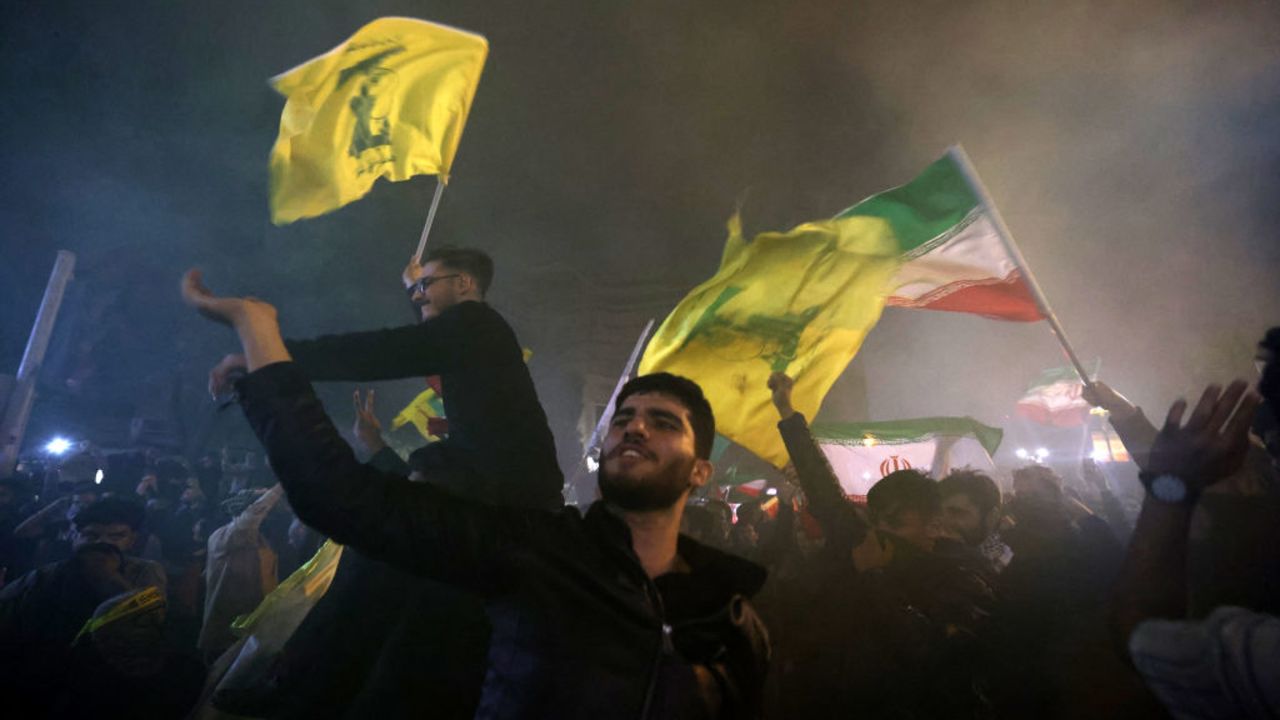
x=736, y=575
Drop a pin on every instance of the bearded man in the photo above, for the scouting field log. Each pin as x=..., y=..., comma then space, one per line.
x=608, y=614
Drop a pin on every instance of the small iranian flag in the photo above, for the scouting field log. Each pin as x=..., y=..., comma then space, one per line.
x=953, y=257
x=863, y=453
x=1055, y=399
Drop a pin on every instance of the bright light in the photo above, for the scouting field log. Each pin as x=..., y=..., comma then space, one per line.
x=868, y=441
x=771, y=491
x=1021, y=453
x=592, y=465
x=57, y=446
x=1100, y=456
x=1042, y=453
x=866, y=476
x=97, y=477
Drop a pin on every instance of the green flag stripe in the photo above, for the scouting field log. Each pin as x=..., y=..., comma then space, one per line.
x=923, y=209
x=897, y=432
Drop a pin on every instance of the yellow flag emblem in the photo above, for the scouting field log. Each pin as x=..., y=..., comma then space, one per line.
x=389, y=102
x=799, y=302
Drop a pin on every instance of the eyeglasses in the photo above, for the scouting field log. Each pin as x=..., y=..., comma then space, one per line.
x=428, y=281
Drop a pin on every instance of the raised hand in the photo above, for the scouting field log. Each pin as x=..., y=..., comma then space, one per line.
x=780, y=384
x=412, y=272
x=253, y=320
x=1212, y=444
x=223, y=374
x=219, y=309
x=367, y=429
x=1099, y=394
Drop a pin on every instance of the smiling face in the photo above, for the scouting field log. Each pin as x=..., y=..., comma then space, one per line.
x=444, y=289
x=648, y=461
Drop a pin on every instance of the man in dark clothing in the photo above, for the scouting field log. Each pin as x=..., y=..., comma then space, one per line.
x=42, y=612
x=496, y=423
x=611, y=614
x=886, y=627
x=499, y=450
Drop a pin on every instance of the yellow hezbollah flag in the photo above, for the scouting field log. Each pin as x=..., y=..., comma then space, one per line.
x=425, y=406
x=389, y=102
x=799, y=302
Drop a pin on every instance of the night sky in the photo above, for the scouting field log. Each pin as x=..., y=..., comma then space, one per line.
x=1134, y=149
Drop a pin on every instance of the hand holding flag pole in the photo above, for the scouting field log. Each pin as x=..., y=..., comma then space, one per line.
x=961, y=159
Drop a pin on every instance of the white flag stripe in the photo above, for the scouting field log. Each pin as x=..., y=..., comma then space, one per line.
x=858, y=467
x=971, y=256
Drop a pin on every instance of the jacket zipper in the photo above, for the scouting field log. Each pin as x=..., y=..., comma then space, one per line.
x=666, y=644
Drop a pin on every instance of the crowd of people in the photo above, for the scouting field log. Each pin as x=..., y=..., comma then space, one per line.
x=467, y=589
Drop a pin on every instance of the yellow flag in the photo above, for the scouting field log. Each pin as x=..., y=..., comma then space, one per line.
x=425, y=406
x=799, y=302
x=389, y=102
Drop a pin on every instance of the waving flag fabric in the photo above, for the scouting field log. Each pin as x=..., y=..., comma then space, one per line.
x=389, y=102
x=953, y=259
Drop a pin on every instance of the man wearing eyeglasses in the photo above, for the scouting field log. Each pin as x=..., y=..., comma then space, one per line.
x=499, y=450
x=496, y=423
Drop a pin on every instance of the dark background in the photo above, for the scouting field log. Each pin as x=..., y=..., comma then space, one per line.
x=1132, y=147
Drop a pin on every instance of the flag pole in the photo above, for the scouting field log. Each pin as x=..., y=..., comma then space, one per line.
x=961, y=158
x=431, y=217
x=594, y=442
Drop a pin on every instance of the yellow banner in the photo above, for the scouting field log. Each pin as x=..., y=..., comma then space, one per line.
x=389, y=102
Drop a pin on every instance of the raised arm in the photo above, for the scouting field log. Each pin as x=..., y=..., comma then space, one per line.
x=413, y=525
x=1184, y=460
x=1135, y=430
x=840, y=521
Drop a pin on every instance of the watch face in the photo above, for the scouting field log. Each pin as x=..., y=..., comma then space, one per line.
x=1169, y=488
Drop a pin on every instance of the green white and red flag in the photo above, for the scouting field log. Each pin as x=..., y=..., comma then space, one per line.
x=953, y=257
x=863, y=453
x=1055, y=398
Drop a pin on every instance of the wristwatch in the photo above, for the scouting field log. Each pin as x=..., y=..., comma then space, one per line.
x=1168, y=488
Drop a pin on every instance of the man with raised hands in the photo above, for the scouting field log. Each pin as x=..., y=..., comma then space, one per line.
x=611, y=614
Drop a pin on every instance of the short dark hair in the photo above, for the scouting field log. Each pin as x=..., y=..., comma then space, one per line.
x=111, y=510
x=688, y=394
x=981, y=490
x=1042, y=475
x=902, y=491
x=475, y=263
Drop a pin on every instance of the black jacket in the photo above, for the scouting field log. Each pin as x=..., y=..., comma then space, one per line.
x=579, y=630
x=499, y=448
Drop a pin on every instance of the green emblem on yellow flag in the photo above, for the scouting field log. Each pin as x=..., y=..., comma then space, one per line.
x=799, y=302
x=389, y=102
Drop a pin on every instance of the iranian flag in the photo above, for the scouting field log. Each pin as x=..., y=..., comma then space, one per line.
x=863, y=453
x=1055, y=399
x=953, y=257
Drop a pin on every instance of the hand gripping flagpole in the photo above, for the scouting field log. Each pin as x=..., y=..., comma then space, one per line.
x=431, y=217
x=961, y=159
x=593, y=444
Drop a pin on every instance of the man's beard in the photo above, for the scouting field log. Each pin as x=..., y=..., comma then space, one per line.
x=658, y=491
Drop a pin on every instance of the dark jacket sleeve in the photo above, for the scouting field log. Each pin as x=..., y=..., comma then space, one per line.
x=387, y=460
x=840, y=521
x=457, y=337
x=412, y=525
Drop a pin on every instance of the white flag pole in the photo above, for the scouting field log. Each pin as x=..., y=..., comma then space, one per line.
x=961, y=158
x=593, y=444
x=431, y=218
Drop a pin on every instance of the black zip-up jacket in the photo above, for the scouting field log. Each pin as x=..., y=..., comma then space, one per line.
x=499, y=448
x=579, y=630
